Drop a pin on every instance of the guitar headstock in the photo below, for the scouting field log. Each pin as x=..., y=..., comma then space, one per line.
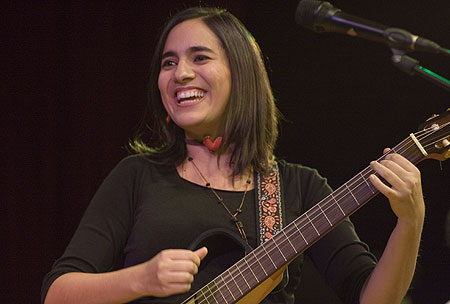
x=435, y=136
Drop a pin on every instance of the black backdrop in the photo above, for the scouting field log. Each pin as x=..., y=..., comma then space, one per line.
x=73, y=90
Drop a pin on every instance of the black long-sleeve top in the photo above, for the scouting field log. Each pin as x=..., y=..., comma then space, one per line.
x=142, y=208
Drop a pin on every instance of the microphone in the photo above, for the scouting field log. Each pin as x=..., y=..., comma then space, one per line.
x=322, y=16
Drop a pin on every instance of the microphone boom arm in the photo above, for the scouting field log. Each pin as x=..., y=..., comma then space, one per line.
x=412, y=67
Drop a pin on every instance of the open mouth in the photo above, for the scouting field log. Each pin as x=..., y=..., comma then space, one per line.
x=189, y=96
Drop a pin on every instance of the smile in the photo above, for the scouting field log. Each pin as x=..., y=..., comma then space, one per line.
x=189, y=96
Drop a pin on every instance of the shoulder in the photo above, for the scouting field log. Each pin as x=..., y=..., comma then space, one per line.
x=139, y=165
x=132, y=175
x=302, y=185
x=297, y=171
x=140, y=161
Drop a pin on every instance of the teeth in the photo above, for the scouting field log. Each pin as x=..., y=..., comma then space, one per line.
x=187, y=101
x=190, y=94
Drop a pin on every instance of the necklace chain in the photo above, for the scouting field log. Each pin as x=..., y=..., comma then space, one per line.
x=236, y=221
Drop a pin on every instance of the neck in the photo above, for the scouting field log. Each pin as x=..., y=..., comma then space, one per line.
x=219, y=174
x=209, y=163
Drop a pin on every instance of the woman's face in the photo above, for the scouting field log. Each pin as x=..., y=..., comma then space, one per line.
x=195, y=79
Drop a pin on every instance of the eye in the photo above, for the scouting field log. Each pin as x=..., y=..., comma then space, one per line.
x=168, y=63
x=200, y=58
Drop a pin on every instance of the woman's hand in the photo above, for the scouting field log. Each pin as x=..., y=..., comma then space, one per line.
x=393, y=273
x=170, y=272
x=405, y=192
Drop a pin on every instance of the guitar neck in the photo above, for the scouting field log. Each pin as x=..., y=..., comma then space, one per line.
x=300, y=234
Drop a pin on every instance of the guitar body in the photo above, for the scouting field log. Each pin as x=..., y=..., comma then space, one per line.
x=263, y=289
x=224, y=249
x=259, y=293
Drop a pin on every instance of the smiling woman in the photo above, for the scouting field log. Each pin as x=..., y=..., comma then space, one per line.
x=207, y=187
x=250, y=108
x=195, y=79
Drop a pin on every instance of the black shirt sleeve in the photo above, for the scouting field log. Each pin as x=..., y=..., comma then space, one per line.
x=102, y=233
x=340, y=257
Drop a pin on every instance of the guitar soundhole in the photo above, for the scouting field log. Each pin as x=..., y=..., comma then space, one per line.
x=223, y=252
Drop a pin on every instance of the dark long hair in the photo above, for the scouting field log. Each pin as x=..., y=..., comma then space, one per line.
x=251, y=123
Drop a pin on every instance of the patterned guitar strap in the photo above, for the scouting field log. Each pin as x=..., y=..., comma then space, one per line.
x=270, y=213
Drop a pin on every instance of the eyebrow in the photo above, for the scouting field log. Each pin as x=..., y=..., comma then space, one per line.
x=190, y=50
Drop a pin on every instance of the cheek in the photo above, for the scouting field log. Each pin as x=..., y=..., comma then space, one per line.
x=222, y=81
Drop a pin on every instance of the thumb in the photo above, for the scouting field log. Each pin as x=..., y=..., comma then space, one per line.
x=201, y=253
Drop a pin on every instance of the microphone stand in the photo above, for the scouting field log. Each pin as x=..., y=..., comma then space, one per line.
x=411, y=66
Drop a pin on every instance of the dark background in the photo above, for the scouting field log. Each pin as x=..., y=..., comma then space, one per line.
x=74, y=89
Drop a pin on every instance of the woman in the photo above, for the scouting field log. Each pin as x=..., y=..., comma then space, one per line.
x=212, y=140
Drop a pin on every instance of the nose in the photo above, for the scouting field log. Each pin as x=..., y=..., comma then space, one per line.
x=183, y=72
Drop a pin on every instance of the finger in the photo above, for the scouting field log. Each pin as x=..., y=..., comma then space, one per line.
x=180, y=277
x=392, y=172
x=201, y=253
x=177, y=275
x=402, y=162
x=386, y=169
x=182, y=255
x=179, y=287
x=182, y=266
x=408, y=175
x=380, y=186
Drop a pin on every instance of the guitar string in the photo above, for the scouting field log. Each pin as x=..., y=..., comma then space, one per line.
x=234, y=290
x=398, y=147
x=326, y=208
x=269, y=250
x=275, y=244
x=351, y=183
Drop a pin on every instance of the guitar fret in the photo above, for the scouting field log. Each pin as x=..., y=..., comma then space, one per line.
x=312, y=223
x=368, y=185
x=324, y=215
x=332, y=210
x=263, y=247
x=352, y=194
x=253, y=252
x=203, y=295
x=299, y=231
x=213, y=294
x=256, y=278
x=243, y=277
x=223, y=297
x=228, y=289
x=209, y=298
x=287, y=238
x=332, y=196
x=232, y=278
x=219, y=286
x=279, y=249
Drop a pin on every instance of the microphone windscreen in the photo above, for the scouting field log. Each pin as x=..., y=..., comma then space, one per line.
x=306, y=12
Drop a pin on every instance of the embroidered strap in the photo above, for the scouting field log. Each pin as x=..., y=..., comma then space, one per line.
x=269, y=204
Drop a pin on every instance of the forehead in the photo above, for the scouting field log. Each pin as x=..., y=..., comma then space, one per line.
x=190, y=33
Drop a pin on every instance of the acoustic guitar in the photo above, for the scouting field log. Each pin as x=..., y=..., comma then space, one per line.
x=255, y=275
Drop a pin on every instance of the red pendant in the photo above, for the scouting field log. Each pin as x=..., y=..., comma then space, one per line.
x=212, y=146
